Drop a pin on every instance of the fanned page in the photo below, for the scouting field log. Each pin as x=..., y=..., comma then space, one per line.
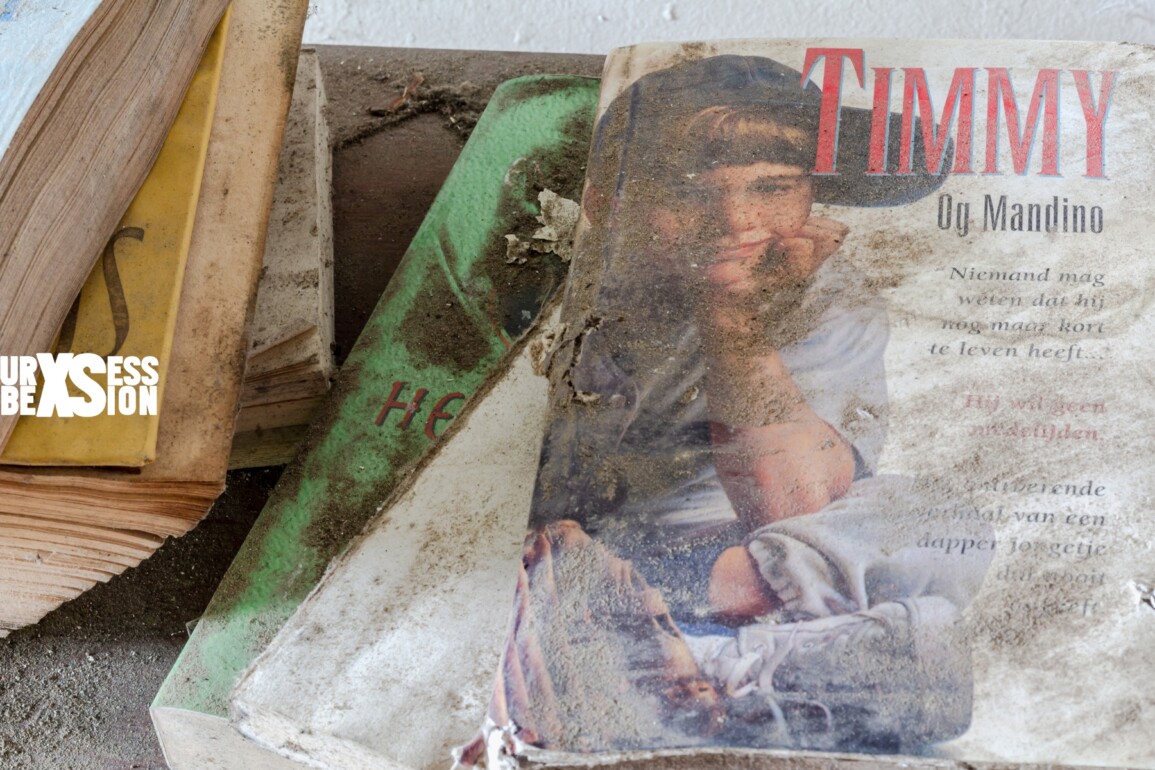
x=90, y=90
x=128, y=305
x=847, y=450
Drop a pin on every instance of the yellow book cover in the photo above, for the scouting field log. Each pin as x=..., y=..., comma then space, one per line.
x=128, y=305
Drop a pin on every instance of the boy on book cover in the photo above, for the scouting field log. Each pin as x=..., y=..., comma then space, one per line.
x=713, y=559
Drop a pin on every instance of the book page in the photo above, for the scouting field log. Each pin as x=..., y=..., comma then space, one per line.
x=847, y=445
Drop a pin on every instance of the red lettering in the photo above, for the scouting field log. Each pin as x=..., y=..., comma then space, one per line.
x=1094, y=116
x=831, y=99
x=392, y=403
x=439, y=414
x=1046, y=93
x=960, y=97
x=879, y=121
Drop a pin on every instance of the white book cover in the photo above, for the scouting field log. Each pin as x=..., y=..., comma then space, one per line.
x=389, y=662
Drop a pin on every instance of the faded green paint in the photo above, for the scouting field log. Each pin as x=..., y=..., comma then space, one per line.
x=456, y=257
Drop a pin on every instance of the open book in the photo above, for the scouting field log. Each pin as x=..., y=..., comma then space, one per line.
x=64, y=529
x=128, y=305
x=840, y=467
x=91, y=88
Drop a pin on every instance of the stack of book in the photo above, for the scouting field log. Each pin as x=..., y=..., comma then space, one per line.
x=290, y=355
x=834, y=469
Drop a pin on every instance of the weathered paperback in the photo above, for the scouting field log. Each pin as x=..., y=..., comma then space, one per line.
x=90, y=88
x=848, y=448
x=128, y=304
x=401, y=389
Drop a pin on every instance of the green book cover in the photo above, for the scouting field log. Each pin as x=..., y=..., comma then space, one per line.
x=459, y=299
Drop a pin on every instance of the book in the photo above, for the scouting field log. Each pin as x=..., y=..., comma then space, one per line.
x=840, y=469
x=290, y=357
x=394, y=667
x=129, y=302
x=837, y=472
x=128, y=305
x=398, y=392
x=91, y=90
x=65, y=529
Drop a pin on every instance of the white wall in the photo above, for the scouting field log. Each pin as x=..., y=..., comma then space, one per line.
x=595, y=26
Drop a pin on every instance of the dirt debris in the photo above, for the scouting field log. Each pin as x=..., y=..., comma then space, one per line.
x=558, y=219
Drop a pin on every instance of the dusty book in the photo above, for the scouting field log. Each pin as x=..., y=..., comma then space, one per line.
x=472, y=282
x=127, y=307
x=64, y=529
x=90, y=90
x=846, y=454
x=400, y=665
x=290, y=356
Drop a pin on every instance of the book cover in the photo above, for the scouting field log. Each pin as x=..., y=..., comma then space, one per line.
x=128, y=305
x=846, y=453
x=450, y=315
x=398, y=687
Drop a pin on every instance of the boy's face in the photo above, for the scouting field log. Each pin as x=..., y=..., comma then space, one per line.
x=749, y=210
x=728, y=218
